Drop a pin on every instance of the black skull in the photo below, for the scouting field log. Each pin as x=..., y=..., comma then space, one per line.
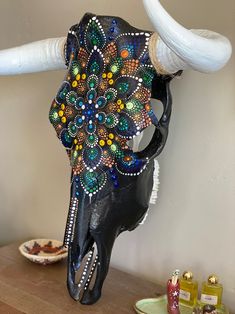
x=103, y=103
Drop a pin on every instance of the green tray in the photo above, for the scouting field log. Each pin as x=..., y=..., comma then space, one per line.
x=159, y=306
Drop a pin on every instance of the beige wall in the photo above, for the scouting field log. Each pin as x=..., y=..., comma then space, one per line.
x=193, y=224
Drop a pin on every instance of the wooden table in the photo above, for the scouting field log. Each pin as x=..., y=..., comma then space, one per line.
x=29, y=288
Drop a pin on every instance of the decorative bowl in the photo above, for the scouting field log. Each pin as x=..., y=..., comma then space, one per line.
x=43, y=251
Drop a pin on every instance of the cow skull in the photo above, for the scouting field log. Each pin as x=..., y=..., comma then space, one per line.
x=95, y=221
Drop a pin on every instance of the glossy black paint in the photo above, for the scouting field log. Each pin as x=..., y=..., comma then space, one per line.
x=113, y=211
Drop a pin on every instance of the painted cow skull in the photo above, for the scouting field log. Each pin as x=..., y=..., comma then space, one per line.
x=113, y=71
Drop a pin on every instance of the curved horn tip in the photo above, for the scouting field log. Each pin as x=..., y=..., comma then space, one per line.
x=201, y=50
x=215, y=57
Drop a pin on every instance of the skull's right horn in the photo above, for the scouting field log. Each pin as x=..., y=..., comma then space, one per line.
x=178, y=48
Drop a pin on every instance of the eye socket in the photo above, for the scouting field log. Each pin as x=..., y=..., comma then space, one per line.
x=157, y=107
x=141, y=141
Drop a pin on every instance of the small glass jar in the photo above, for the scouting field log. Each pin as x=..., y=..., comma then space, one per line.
x=212, y=292
x=188, y=289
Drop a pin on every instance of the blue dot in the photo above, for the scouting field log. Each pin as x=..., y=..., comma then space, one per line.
x=116, y=184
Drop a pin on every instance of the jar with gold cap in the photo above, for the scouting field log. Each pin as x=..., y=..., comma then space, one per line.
x=188, y=289
x=212, y=291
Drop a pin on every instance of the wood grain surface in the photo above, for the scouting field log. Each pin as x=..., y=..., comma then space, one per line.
x=29, y=288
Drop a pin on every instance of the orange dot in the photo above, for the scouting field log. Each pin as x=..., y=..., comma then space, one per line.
x=124, y=54
x=127, y=158
x=147, y=107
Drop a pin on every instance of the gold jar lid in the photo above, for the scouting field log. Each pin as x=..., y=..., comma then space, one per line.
x=188, y=275
x=213, y=279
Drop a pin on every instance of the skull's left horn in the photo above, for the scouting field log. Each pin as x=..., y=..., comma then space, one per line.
x=179, y=48
x=39, y=56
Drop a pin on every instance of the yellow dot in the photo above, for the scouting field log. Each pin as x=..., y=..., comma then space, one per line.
x=62, y=106
x=75, y=141
x=102, y=143
x=104, y=75
x=77, y=147
x=122, y=106
x=80, y=147
x=78, y=77
x=109, y=142
x=84, y=76
x=111, y=136
x=119, y=102
x=111, y=82
x=118, y=110
x=61, y=113
x=63, y=119
x=110, y=75
x=75, y=84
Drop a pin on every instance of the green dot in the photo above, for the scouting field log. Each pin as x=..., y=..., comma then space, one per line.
x=75, y=71
x=114, y=69
x=129, y=106
x=113, y=148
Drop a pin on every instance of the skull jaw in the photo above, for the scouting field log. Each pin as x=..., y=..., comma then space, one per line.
x=120, y=210
x=90, y=297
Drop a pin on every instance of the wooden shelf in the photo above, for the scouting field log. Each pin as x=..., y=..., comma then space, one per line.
x=29, y=288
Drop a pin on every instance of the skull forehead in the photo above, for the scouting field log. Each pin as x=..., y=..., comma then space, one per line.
x=104, y=100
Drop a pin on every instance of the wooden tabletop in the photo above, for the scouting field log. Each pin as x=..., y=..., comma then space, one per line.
x=29, y=288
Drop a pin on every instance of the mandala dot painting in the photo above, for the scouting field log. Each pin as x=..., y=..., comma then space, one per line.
x=103, y=103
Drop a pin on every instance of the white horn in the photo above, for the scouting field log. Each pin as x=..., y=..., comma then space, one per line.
x=39, y=56
x=179, y=48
